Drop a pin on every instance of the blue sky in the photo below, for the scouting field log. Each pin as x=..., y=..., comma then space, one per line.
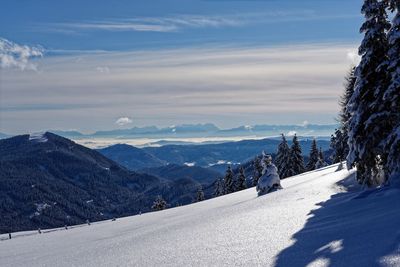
x=171, y=62
x=55, y=24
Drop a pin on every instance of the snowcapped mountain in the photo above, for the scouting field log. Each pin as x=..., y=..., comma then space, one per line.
x=173, y=130
x=205, y=130
x=320, y=218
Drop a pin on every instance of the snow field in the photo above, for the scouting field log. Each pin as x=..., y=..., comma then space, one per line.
x=284, y=228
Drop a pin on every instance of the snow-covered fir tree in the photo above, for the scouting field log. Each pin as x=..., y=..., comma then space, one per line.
x=340, y=138
x=257, y=169
x=241, y=181
x=270, y=177
x=282, y=160
x=349, y=84
x=339, y=145
x=159, y=203
x=321, y=160
x=296, y=160
x=335, y=157
x=229, y=184
x=200, y=194
x=313, y=159
x=391, y=98
x=367, y=125
x=218, y=189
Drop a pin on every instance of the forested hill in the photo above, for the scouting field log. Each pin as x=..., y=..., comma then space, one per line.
x=49, y=181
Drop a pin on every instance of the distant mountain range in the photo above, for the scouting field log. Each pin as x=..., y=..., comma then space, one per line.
x=184, y=129
x=206, y=155
x=139, y=160
x=203, y=130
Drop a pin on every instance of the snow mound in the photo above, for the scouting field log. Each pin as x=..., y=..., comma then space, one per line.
x=320, y=218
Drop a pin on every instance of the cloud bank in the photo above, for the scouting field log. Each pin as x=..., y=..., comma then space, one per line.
x=228, y=86
x=13, y=55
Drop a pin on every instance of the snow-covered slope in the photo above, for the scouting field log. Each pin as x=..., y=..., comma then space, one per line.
x=312, y=221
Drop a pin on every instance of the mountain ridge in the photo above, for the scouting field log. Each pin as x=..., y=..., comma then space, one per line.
x=201, y=130
x=49, y=181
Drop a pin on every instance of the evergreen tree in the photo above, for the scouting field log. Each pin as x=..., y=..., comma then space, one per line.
x=219, y=190
x=241, y=182
x=257, y=170
x=340, y=146
x=366, y=125
x=200, y=194
x=282, y=158
x=159, y=203
x=321, y=154
x=311, y=165
x=332, y=145
x=229, y=184
x=296, y=158
x=349, y=84
x=321, y=160
x=391, y=98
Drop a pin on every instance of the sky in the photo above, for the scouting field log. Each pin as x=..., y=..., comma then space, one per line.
x=96, y=65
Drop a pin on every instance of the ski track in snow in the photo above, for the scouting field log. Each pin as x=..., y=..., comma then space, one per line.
x=311, y=222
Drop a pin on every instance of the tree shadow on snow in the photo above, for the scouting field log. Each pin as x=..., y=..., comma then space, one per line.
x=350, y=229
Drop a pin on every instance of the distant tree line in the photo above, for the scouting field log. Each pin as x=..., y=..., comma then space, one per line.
x=289, y=161
x=229, y=184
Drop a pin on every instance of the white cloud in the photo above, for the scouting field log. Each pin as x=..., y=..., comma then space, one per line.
x=124, y=26
x=305, y=123
x=123, y=121
x=103, y=69
x=184, y=21
x=155, y=24
x=13, y=55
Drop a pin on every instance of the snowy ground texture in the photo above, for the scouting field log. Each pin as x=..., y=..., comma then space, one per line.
x=313, y=221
